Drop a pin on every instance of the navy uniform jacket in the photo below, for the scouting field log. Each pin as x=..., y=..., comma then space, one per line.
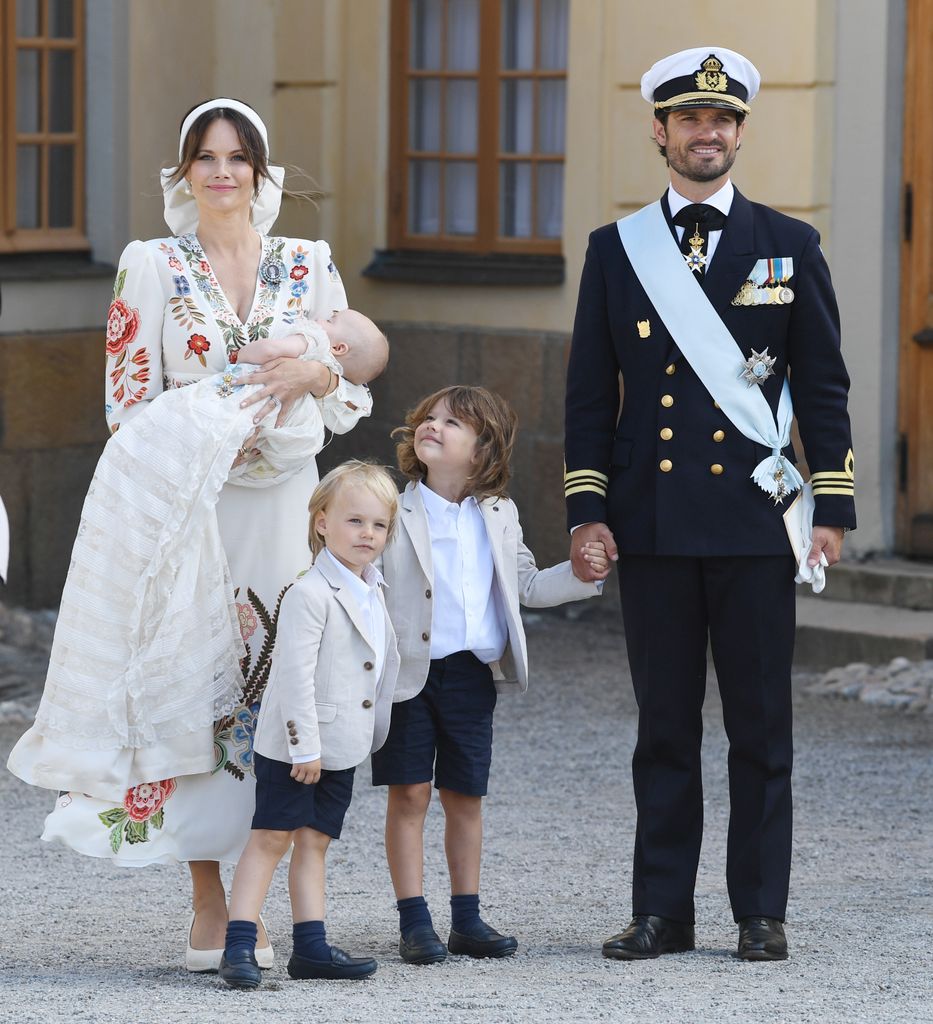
x=706, y=502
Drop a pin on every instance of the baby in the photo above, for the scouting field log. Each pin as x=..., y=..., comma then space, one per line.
x=350, y=337
x=348, y=343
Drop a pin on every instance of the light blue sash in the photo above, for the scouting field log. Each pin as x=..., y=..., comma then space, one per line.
x=707, y=345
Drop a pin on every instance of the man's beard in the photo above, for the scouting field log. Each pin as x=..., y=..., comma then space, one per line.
x=706, y=171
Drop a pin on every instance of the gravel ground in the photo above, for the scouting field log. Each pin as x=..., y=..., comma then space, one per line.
x=86, y=941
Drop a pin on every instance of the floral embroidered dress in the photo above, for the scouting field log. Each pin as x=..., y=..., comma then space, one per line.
x=170, y=324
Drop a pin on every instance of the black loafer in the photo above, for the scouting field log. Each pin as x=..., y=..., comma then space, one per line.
x=423, y=946
x=481, y=943
x=648, y=937
x=340, y=966
x=239, y=969
x=761, y=938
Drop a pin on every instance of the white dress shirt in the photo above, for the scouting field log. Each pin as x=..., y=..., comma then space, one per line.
x=467, y=613
x=365, y=591
x=722, y=200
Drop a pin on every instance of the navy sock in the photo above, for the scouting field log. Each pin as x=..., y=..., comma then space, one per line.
x=412, y=913
x=240, y=935
x=310, y=940
x=464, y=912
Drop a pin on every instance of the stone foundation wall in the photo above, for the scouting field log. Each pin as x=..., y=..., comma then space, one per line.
x=52, y=431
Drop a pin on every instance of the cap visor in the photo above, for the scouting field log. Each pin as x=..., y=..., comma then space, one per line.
x=701, y=99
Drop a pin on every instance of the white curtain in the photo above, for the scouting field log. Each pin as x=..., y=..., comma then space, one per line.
x=518, y=109
x=443, y=194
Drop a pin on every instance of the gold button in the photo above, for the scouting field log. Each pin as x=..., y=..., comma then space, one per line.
x=367, y=665
x=667, y=401
x=294, y=741
x=719, y=435
x=292, y=731
x=715, y=405
x=666, y=433
x=665, y=465
x=670, y=368
x=367, y=703
x=715, y=469
x=290, y=723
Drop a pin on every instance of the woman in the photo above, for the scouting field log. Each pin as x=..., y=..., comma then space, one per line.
x=182, y=308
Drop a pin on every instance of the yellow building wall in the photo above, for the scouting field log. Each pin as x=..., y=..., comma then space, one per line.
x=318, y=71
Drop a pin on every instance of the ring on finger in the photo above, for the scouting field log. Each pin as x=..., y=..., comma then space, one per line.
x=275, y=401
x=242, y=452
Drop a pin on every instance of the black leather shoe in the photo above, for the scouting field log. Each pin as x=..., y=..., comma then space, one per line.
x=423, y=946
x=482, y=942
x=761, y=938
x=239, y=969
x=648, y=937
x=340, y=966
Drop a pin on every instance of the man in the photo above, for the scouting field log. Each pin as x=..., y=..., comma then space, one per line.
x=705, y=303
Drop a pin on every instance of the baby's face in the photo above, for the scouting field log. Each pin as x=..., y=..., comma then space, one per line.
x=336, y=327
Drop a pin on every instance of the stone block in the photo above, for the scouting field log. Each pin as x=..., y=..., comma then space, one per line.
x=52, y=389
x=512, y=365
x=423, y=360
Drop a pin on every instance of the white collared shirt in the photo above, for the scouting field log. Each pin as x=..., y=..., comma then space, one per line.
x=722, y=200
x=365, y=591
x=467, y=612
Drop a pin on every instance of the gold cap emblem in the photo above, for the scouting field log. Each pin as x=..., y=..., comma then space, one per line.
x=712, y=78
x=644, y=328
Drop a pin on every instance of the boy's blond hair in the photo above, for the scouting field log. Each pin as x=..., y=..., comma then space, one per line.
x=495, y=424
x=355, y=473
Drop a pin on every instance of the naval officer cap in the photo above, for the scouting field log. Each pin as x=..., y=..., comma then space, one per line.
x=706, y=76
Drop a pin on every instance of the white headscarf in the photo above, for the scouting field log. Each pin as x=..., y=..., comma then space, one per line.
x=181, y=209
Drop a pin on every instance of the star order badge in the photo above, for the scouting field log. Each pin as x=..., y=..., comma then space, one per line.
x=758, y=368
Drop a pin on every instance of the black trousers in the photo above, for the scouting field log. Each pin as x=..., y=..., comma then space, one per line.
x=744, y=607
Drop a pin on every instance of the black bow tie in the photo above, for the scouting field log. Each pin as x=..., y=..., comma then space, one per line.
x=707, y=217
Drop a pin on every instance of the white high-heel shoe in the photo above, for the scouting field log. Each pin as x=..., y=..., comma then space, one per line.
x=202, y=961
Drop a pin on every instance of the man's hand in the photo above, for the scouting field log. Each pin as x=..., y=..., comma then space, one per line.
x=307, y=773
x=825, y=540
x=584, y=551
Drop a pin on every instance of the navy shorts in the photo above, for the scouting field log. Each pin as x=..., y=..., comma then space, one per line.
x=283, y=804
x=445, y=732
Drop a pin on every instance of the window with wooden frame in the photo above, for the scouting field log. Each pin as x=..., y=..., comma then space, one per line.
x=42, y=61
x=478, y=100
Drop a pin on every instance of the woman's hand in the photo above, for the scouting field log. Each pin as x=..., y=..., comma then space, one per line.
x=246, y=452
x=286, y=380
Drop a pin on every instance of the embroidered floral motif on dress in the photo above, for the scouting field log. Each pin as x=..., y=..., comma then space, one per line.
x=143, y=805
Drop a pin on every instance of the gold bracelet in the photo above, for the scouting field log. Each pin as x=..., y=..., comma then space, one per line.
x=327, y=389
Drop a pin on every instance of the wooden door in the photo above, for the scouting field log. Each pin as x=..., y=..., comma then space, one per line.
x=915, y=472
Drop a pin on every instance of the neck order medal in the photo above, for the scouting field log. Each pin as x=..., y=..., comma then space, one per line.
x=695, y=259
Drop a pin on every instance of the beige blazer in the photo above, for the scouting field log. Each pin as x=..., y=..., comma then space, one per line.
x=406, y=564
x=322, y=691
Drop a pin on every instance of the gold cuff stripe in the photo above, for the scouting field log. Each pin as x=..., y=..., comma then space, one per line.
x=601, y=491
x=574, y=474
x=714, y=99
x=827, y=475
x=594, y=481
x=848, y=492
